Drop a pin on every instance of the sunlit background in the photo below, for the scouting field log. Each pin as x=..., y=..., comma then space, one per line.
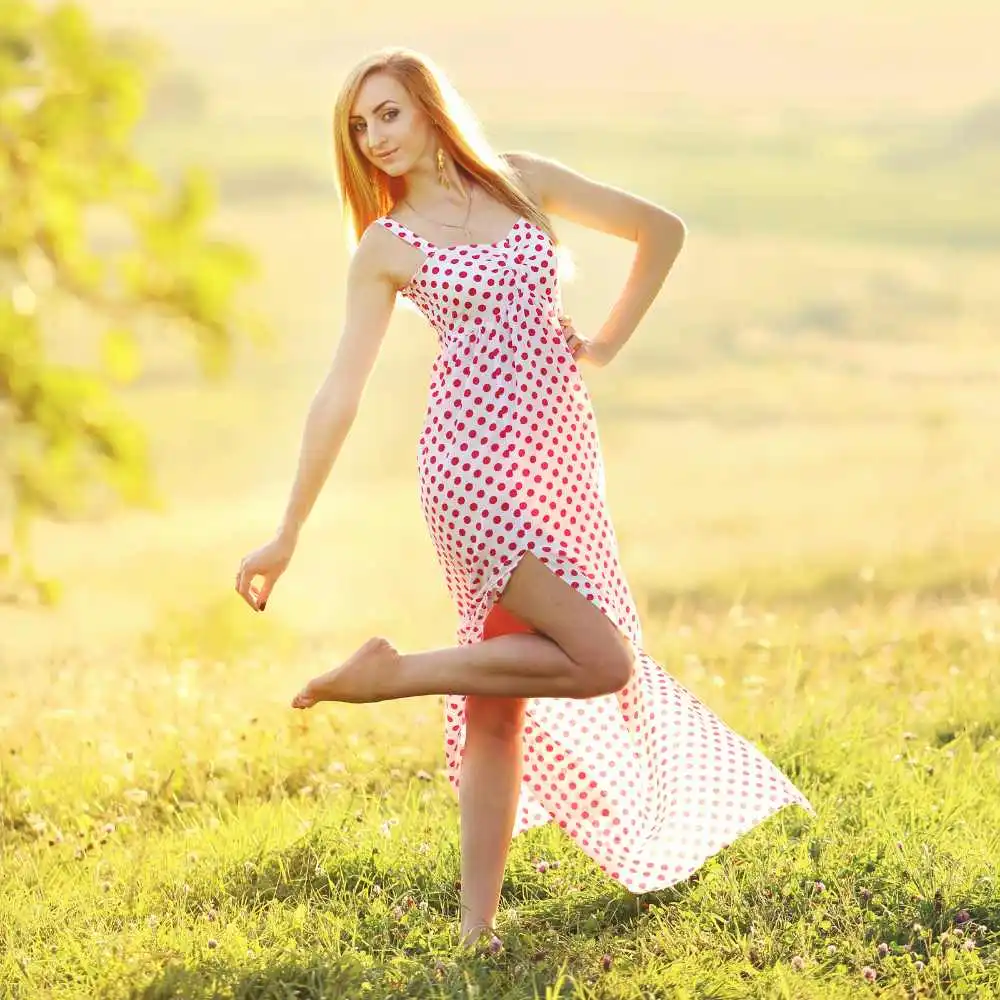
x=814, y=393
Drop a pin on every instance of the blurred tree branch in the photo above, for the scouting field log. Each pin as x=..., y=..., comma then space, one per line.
x=69, y=103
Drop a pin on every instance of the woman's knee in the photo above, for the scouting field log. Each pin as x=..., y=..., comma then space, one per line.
x=608, y=669
x=493, y=717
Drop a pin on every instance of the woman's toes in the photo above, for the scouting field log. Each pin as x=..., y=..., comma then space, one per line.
x=365, y=676
x=303, y=700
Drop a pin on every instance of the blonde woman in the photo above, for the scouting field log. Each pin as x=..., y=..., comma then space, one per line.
x=553, y=711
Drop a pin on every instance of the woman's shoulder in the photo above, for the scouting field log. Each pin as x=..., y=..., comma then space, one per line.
x=520, y=159
x=529, y=171
x=383, y=252
x=385, y=235
x=520, y=162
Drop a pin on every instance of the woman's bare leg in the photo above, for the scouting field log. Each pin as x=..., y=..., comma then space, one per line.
x=488, y=791
x=578, y=653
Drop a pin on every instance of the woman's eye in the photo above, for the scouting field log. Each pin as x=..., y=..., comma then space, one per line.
x=390, y=114
x=358, y=126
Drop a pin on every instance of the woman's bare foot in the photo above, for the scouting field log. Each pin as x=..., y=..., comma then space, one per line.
x=473, y=935
x=366, y=676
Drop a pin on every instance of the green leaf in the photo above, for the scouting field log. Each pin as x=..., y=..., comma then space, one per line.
x=120, y=356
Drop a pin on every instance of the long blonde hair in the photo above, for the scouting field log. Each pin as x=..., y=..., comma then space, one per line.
x=367, y=193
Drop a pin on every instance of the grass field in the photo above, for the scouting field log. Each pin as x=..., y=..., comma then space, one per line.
x=802, y=463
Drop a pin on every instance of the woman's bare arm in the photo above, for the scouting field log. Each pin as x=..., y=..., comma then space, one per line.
x=371, y=295
x=658, y=233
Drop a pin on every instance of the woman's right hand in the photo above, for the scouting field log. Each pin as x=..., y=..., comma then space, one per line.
x=269, y=562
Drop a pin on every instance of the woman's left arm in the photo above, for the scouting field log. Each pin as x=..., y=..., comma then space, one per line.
x=659, y=236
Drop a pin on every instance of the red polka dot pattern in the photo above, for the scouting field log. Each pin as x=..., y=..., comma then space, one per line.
x=649, y=782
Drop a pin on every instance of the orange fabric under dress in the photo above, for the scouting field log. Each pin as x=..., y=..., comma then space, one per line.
x=500, y=621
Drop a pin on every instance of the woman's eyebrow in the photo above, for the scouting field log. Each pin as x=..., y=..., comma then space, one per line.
x=376, y=110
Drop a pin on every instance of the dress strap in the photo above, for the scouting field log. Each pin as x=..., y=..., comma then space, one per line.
x=405, y=234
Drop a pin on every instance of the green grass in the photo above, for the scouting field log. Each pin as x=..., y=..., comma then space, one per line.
x=172, y=830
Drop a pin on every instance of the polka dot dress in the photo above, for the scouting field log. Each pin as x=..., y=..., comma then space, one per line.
x=649, y=782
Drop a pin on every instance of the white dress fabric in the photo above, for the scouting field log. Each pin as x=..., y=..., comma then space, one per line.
x=649, y=782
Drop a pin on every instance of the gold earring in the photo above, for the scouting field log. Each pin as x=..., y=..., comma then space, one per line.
x=442, y=176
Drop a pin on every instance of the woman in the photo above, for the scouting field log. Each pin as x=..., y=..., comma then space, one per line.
x=553, y=710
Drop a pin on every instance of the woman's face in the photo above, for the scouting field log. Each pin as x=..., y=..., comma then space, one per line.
x=389, y=129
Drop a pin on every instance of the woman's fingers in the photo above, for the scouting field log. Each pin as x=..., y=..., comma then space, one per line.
x=265, y=591
x=266, y=563
x=573, y=340
x=244, y=579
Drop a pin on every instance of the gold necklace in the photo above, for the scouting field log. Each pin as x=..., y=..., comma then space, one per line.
x=463, y=228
